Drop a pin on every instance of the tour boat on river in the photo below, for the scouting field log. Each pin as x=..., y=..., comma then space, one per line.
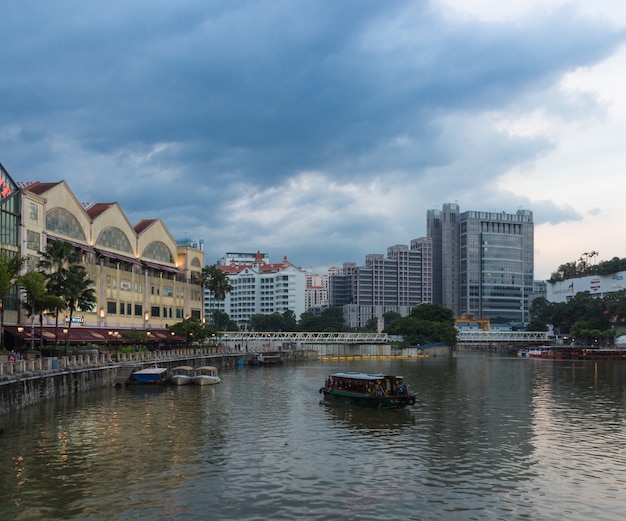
x=377, y=391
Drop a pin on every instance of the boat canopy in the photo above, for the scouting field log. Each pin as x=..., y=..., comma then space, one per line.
x=363, y=376
x=151, y=370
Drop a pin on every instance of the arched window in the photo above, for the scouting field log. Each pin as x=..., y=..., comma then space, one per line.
x=114, y=238
x=61, y=221
x=195, y=263
x=159, y=252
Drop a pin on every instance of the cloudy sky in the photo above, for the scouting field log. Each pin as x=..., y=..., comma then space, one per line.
x=325, y=130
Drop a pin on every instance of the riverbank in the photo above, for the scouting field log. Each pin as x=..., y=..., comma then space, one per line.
x=26, y=382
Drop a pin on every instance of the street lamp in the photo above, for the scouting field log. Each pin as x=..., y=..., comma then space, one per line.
x=20, y=330
x=66, y=332
x=101, y=317
x=146, y=317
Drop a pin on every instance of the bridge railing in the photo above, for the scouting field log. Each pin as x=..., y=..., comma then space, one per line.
x=485, y=337
x=306, y=337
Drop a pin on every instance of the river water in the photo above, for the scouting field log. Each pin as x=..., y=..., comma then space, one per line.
x=490, y=437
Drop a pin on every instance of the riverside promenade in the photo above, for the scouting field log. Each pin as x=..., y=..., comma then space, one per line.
x=26, y=382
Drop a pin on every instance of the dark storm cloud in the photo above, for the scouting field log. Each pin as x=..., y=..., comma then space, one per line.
x=179, y=110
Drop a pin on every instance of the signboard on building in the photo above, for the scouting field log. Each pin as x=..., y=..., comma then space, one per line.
x=597, y=285
x=76, y=319
x=7, y=185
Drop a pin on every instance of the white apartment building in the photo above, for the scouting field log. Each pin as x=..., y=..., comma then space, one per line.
x=316, y=293
x=260, y=287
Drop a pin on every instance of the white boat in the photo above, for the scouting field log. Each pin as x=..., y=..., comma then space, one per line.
x=206, y=375
x=182, y=375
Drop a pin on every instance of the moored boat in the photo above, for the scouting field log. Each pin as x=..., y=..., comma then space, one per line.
x=265, y=360
x=548, y=352
x=149, y=376
x=182, y=375
x=378, y=391
x=206, y=375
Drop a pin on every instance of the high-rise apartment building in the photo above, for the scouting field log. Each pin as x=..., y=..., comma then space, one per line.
x=483, y=262
x=397, y=282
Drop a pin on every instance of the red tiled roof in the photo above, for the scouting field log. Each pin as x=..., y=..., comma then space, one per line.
x=142, y=225
x=40, y=188
x=97, y=208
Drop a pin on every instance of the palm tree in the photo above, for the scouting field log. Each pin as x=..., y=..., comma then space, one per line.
x=77, y=293
x=37, y=300
x=56, y=260
x=217, y=282
x=10, y=267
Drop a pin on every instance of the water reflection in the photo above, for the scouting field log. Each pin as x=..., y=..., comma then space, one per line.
x=489, y=438
x=366, y=420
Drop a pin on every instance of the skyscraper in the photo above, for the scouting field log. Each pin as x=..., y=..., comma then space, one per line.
x=482, y=262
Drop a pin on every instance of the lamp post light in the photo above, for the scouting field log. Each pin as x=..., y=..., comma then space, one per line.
x=146, y=317
x=101, y=317
x=66, y=332
x=20, y=330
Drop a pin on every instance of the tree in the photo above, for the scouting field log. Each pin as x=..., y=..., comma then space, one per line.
x=289, y=321
x=37, y=300
x=55, y=261
x=10, y=267
x=390, y=316
x=427, y=324
x=77, y=293
x=330, y=320
x=191, y=328
x=217, y=282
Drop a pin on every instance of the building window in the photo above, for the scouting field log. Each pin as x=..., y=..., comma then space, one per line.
x=159, y=252
x=33, y=240
x=155, y=311
x=114, y=238
x=138, y=310
x=61, y=221
x=111, y=308
x=34, y=212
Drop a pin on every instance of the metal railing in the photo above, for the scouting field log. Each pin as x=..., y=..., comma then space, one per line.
x=306, y=337
x=469, y=336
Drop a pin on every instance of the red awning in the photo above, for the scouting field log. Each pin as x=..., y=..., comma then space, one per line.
x=117, y=256
x=84, y=335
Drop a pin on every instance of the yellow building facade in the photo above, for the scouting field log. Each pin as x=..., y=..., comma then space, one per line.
x=142, y=278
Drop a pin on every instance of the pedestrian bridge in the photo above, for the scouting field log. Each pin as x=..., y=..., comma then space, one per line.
x=480, y=337
x=291, y=337
x=465, y=337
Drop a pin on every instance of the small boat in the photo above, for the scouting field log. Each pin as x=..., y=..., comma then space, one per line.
x=182, y=375
x=150, y=375
x=548, y=352
x=206, y=375
x=377, y=391
x=265, y=360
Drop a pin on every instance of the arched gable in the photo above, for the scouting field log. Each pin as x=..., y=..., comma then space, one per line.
x=60, y=221
x=113, y=237
x=158, y=251
x=195, y=263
